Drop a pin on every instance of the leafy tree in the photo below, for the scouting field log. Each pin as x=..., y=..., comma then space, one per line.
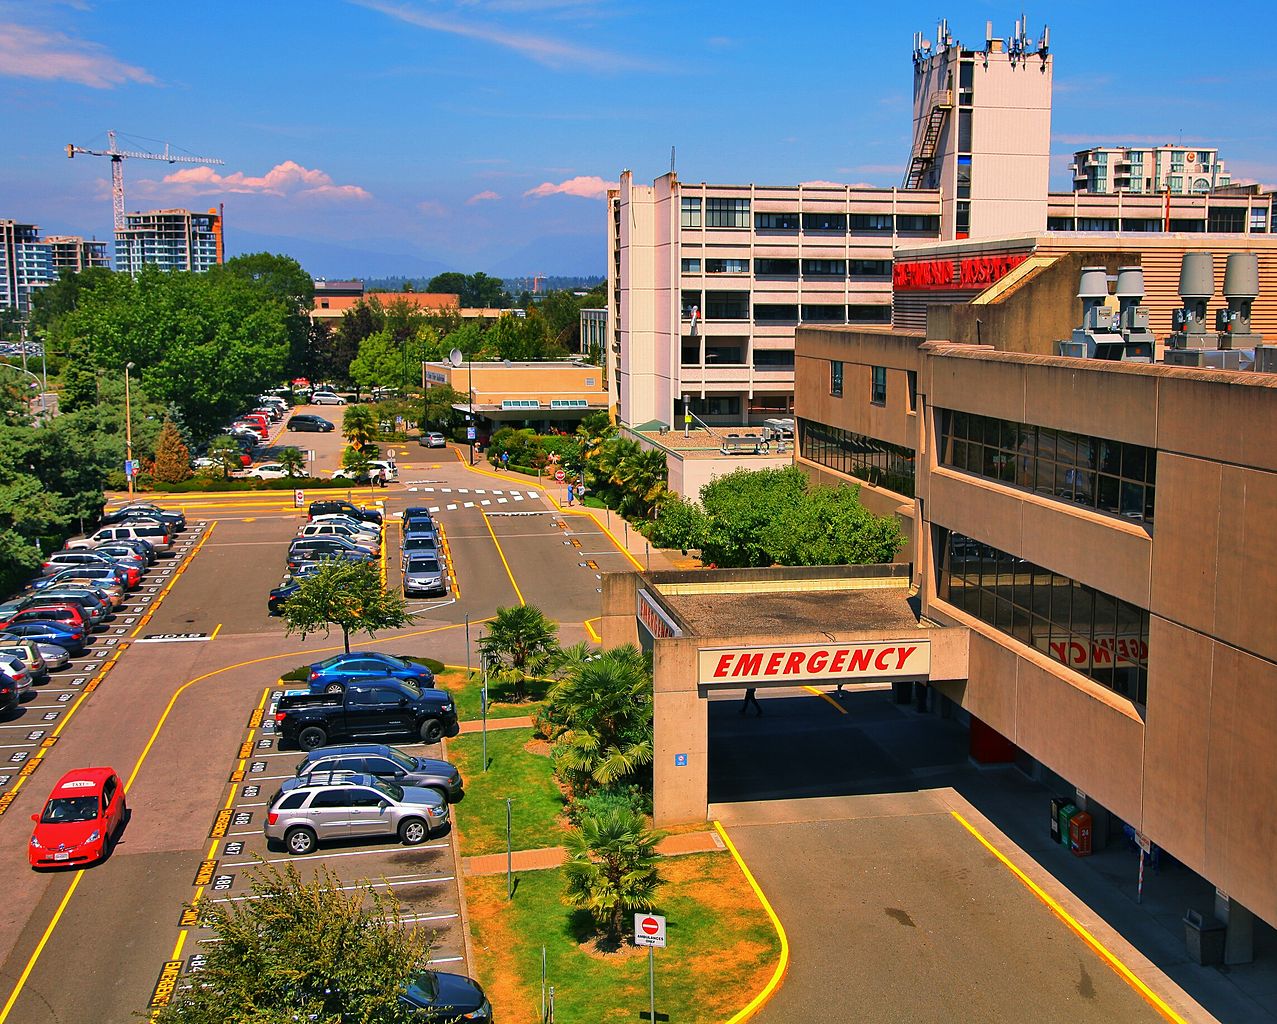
x=450, y=282
x=522, y=338
x=303, y=950
x=379, y=363
x=437, y=412
x=224, y=451
x=359, y=425
x=172, y=457
x=334, y=355
x=520, y=642
x=831, y=527
x=740, y=506
x=475, y=290
x=611, y=869
x=642, y=477
x=348, y=595
x=679, y=524
x=600, y=717
x=292, y=460
x=470, y=338
x=357, y=461
x=282, y=279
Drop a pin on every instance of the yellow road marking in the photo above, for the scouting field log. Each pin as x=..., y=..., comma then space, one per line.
x=773, y=983
x=449, y=565
x=590, y=629
x=824, y=696
x=1119, y=968
x=216, y=631
x=518, y=593
x=35, y=955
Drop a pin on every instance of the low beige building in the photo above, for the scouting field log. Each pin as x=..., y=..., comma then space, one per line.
x=555, y=394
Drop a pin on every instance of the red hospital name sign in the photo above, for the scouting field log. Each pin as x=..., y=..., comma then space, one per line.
x=804, y=662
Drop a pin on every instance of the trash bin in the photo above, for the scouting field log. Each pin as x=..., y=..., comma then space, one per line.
x=1204, y=939
x=1080, y=834
x=1057, y=805
x=1066, y=812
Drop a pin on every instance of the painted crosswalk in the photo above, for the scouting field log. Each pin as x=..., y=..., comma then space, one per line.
x=503, y=497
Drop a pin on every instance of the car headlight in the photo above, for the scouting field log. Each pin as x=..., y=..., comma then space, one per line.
x=448, y=706
x=36, y=843
x=483, y=1011
x=94, y=836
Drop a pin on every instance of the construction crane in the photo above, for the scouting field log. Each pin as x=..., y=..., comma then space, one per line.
x=117, y=167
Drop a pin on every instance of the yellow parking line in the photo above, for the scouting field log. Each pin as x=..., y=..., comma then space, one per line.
x=778, y=975
x=35, y=955
x=159, y=598
x=1119, y=968
x=216, y=631
x=825, y=697
x=449, y=565
x=518, y=593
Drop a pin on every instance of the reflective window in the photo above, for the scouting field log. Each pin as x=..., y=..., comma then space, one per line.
x=878, y=386
x=1091, y=632
x=766, y=267
x=825, y=268
x=727, y=213
x=776, y=221
x=691, y=212
x=691, y=266
x=835, y=377
x=721, y=266
x=727, y=305
x=824, y=222
x=876, y=462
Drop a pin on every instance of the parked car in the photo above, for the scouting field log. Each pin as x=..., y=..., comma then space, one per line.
x=370, y=544
x=56, y=561
x=419, y=544
x=28, y=653
x=309, y=421
x=259, y=419
x=110, y=534
x=433, y=440
x=333, y=807
x=424, y=574
x=9, y=702
x=289, y=586
x=371, y=710
x=326, y=398
x=319, y=508
x=386, y=763
x=146, y=510
x=124, y=555
x=382, y=468
x=266, y=471
x=50, y=611
x=94, y=601
x=371, y=530
x=83, y=817
x=16, y=669
x=140, y=545
x=317, y=549
x=108, y=579
x=439, y=997
x=70, y=638
x=332, y=675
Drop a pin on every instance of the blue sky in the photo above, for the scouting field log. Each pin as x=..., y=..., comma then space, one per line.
x=372, y=136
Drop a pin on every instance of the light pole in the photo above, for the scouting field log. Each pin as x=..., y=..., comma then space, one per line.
x=474, y=420
x=128, y=427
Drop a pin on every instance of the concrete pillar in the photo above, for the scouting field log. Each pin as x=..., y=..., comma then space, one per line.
x=902, y=692
x=680, y=767
x=1239, y=939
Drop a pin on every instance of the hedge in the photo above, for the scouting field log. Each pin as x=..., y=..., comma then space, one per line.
x=238, y=484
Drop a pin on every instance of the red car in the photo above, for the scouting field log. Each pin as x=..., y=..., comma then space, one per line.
x=53, y=611
x=84, y=814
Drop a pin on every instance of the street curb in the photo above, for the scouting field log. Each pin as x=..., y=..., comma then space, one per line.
x=463, y=908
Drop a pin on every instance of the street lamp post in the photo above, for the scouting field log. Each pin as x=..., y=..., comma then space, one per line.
x=128, y=427
x=474, y=420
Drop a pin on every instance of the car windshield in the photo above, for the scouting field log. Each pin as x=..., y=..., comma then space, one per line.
x=403, y=761
x=423, y=565
x=389, y=789
x=65, y=809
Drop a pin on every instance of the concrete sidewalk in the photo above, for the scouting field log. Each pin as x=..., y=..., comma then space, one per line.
x=556, y=856
x=495, y=724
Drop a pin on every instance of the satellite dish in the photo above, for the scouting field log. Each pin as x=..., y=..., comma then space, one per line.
x=455, y=357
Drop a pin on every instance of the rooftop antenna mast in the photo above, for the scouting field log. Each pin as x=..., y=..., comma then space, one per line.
x=671, y=159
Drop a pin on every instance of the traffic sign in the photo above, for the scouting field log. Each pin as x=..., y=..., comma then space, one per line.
x=471, y=433
x=649, y=930
x=299, y=498
x=560, y=476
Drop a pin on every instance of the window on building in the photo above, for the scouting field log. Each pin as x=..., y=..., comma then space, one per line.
x=1097, y=224
x=964, y=177
x=1141, y=224
x=726, y=266
x=869, y=268
x=962, y=218
x=824, y=268
x=964, y=131
x=1096, y=473
x=1258, y=219
x=1177, y=160
x=871, y=222
x=726, y=405
x=876, y=462
x=691, y=212
x=835, y=377
x=918, y=222
x=727, y=305
x=878, y=385
x=1184, y=224
x=727, y=213
x=691, y=266
x=691, y=352
x=691, y=301
x=1227, y=219
x=827, y=314
x=1094, y=633
x=824, y=222
x=1060, y=224
x=723, y=355
x=767, y=267
x=966, y=82
x=869, y=314
x=773, y=359
x=911, y=381
x=776, y=221
x=765, y=312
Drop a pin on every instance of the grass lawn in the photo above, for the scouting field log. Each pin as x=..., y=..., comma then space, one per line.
x=466, y=695
x=512, y=771
x=722, y=948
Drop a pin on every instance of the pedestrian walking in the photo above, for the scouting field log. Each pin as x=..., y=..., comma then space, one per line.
x=750, y=698
x=505, y=460
x=571, y=492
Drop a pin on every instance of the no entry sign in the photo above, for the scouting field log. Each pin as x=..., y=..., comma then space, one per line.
x=649, y=930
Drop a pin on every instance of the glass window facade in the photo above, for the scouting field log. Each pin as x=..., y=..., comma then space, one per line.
x=771, y=312
x=691, y=266
x=727, y=213
x=691, y=212
x=1091, y=632
x=768, y=267
x=878, y=385
x=723, y=266
x=727, y=305
x=835, y=377
x=776, y=221
x=876, y=462
x=824, y=268
x=1096, y=473
x=824, y=222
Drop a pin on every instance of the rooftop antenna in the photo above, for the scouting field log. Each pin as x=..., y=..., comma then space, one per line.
x=671, y=159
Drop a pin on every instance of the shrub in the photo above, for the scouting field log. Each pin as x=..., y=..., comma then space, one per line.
x=631, y=799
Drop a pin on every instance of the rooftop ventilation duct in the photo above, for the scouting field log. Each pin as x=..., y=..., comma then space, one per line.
x=1241, y=288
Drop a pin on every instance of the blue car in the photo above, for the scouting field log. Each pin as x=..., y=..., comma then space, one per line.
x=71, y=638
x=333, y=674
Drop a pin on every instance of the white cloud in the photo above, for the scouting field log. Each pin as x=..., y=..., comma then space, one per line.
x=432, y=209
x=482, y=197
x=585, y=186
x=27, y=52
x=287, y=179
x=822, y=184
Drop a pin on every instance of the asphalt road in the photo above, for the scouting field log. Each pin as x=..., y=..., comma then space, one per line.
x=172, y=717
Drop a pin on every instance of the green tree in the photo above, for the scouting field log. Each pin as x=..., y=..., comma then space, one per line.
x=831, y=527
x=600, y=717
x=611, y=869
x=450, y=282
x=357, y=461
x=226, y=453
x=642, y=476
x=348, y=595
x=172, y=457
x=359, y=425
x=303, y=950
x=292, y=460
x=437, y=412
x=283, y=280
x=740, y=507
x=679, y=524
x=522, y=338
x=520, y=641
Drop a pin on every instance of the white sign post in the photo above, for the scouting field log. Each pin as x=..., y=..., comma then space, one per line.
x=649, y=931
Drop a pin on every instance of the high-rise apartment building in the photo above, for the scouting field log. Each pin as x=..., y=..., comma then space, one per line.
x=72, y=253
x=26, y=263
x=1179, y=170
x=170, y=240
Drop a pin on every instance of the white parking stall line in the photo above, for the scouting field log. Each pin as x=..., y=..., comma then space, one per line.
x=533, y=494
x=468, y=504
x=348, y=888
x=502, y=501
x=434, y=509
x=485, y=502
x=452, y=508
x=518, y=497
x=323, y=856
x=463, y=490
x=480, y=490
x=444, y=960
x=498, y=492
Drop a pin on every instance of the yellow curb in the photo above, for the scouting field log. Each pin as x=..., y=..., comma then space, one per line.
x=773, y=983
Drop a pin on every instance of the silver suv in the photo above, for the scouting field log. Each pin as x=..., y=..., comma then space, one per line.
x=333, y=806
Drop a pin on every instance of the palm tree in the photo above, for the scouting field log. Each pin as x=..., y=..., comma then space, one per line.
x=611, y=870
x=520, y=642
x=359, y=425
x=642, y=477
x=600, y=717
x=292, y=460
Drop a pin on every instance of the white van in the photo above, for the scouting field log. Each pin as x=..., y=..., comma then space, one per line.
x=157, y=534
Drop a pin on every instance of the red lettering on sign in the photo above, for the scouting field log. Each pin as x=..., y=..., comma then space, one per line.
x=974, y=272
x=859, y=660
x=795, y=662
x=902, y=655
x=721, y=669
x=816, y=663
x=773, y=663
x=839, y=658
x=748, y=664
x=880, y=662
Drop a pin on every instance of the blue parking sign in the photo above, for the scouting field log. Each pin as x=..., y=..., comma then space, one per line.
x=680, y=760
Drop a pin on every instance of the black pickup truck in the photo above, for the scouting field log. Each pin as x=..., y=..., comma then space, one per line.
x=374, y=709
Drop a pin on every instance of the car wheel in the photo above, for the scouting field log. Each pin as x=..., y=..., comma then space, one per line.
x=312, y=737
x=413, y=832
x=300, y=841
x=431, y=731
x=334, y=688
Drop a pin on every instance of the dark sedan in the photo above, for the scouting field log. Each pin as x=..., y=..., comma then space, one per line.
x=333, y=674
x=388, y=764
x=145, y=510
x=311, y=422
x=437, y=996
